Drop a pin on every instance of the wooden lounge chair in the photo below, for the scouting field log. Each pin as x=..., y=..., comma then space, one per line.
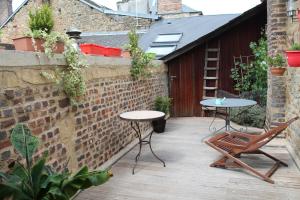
x=232, y=144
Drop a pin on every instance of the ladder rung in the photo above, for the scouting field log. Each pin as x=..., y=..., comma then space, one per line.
x=210, y=88
x=213, y=49
x=212, y=59
x=210, y=68
x=210, y=78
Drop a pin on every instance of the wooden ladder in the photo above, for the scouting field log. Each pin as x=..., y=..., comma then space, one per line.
x=211, y=74
x=210, y=82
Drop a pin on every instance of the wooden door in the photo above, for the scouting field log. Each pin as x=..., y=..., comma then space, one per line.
x=181, y=80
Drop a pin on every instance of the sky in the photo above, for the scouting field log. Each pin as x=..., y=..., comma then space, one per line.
x=208, y=7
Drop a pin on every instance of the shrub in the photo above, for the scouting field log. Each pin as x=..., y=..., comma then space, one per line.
x=295, y=47
x=276, y=61
x=41, y=19
x=254, y=116
x=162, y=104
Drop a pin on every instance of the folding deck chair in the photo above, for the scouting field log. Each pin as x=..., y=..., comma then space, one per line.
x=232, y=144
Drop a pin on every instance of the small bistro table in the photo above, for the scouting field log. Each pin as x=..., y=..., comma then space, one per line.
x=134, y=117
x=228, y=103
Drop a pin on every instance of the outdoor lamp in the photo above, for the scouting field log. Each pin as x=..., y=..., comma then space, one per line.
x=292, y=10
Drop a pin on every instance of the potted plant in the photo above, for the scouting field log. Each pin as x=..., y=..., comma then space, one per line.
x=161, y=104
x=41, y=21
x=276, y=64
x=36, y=180
x=293, y=55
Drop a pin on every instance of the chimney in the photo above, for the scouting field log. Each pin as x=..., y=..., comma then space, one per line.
x=169, y=6
x=5, y=10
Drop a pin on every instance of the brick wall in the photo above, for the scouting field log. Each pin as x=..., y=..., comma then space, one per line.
x=169, y=6
x=68, y=14
x=89, y=133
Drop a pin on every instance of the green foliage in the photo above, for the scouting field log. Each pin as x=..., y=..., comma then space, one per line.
x=38, y=181
x=252, y=76
x=70, y=77
x=253, y=117
x=41, y=19
x=23, y=141
x=295, y=47
x=140, y=60
x=276, y=61
x=162, y=104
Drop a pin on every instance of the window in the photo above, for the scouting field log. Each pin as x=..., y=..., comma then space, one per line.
x=173, y=37
x=161, y=50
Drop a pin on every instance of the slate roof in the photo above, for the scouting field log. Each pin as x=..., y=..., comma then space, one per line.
x=112, y=39
x=191, y=28
x=195, y=30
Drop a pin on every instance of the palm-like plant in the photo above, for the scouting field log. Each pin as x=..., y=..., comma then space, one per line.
x=36, y=181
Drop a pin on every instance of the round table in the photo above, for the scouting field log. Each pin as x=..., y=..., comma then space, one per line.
x=134, y=117
x=228, y=103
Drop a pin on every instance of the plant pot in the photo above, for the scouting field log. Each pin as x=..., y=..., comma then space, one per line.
x=293, y=58
x=126, y=54
x=277, y=71
x=159, y=125
x=26, y=44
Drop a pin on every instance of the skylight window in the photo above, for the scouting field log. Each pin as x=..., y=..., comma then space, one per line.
x=161, y=50
x=174, y=37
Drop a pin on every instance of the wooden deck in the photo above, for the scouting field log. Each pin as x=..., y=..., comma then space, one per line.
x=188, y=176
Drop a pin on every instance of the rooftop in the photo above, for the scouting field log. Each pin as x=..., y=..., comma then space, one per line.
x=187, y=175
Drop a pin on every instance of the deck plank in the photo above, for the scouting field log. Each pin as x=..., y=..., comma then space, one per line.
x=188, y=176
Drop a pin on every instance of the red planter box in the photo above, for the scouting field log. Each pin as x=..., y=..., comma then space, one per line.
x=93, y=49
x=293, y=58
x=113, y=52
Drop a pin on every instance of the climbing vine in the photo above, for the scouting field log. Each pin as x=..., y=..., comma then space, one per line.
x=141, y=61
x=69, y=77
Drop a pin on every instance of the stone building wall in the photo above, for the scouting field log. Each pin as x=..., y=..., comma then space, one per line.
x=284, y=92
x=5, y=10
x=89, y=133
x=277, y=37
x=68, y=14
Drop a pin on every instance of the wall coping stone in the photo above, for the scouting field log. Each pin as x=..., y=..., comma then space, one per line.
x=23, y=68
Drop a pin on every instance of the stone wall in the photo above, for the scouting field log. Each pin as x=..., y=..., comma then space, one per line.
x=68, y=14
x=276, y=35
x=283, y=92
x=5, y=10
x=89, y=133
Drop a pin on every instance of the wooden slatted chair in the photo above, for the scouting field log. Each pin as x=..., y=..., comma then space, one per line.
x=232, y=144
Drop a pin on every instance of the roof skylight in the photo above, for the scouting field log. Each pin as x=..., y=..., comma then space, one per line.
x=172, y=37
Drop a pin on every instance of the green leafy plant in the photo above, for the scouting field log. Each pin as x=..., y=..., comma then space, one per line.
x=140, y=60
x=162, y=104
x=36, y=181
x=70, y=78
x=41, y=19
x=276, y=61
x=295, y=47
x=253, y=76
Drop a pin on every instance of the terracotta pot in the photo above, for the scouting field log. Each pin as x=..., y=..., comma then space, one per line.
x=126, y=54
x=293, y=58
x=277, y=71
x=26, y=44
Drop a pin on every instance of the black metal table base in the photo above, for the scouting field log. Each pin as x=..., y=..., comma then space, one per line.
x=137, y=130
